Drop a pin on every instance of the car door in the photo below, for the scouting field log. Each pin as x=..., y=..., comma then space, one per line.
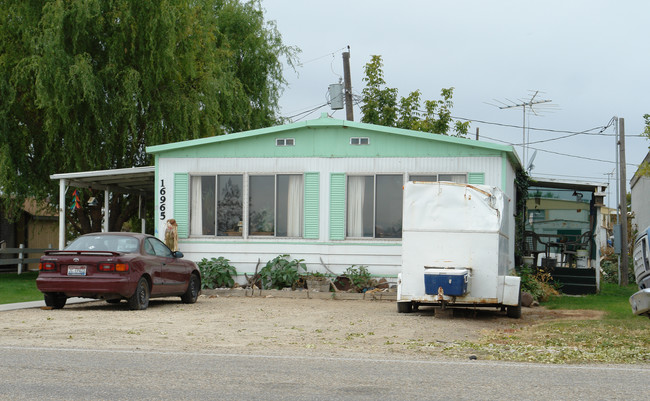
x=154, y=266
x=174, y=271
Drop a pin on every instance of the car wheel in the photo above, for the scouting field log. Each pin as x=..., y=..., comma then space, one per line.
x=55, y=300
x=193, y=288
x=140, y=298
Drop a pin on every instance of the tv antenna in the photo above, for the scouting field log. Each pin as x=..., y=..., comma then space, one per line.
x=525, y=104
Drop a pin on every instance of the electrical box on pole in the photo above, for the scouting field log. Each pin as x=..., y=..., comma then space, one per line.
x=336, y=96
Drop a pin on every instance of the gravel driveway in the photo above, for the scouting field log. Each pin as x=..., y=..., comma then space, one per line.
x=256, y=325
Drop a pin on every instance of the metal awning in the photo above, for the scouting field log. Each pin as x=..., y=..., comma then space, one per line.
x=136, y=180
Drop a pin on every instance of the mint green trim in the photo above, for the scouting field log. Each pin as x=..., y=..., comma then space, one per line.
x=504, y=172
x=181, y=203
x=312, y=206
x=337, y=206
x=326, y=137
x=476, y=178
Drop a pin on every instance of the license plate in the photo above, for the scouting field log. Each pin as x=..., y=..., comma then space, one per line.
x=76, y=270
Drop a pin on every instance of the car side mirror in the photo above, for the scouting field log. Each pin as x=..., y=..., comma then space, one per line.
x=177, y=254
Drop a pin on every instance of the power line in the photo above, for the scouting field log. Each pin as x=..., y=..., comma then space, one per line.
x=323, y=56
x=558, y=153
x=306, y=113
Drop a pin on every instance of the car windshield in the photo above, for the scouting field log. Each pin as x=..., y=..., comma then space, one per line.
x=114, y=243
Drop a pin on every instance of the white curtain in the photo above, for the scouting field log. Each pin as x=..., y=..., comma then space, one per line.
x=196, y=226
x=294, y=206
x=356, y=194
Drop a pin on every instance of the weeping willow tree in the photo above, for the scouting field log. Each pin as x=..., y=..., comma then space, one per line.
x=87, y=84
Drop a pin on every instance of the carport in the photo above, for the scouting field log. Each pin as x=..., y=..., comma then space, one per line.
x=136, y=181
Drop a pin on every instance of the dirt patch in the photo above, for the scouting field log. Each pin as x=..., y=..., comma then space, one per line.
x=257, y=324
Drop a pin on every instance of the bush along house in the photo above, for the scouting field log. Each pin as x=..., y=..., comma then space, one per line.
x=327, y=191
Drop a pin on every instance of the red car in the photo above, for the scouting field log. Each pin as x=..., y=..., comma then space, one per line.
x=116, y=266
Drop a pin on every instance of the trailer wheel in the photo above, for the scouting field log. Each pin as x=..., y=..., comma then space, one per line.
x=404, y=307
x=514, y=311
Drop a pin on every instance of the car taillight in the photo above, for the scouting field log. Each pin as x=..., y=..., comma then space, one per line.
x=113, y=267
x=47, y=266
x=106, y=267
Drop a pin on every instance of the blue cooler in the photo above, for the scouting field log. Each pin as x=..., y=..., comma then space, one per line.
x=452, y=281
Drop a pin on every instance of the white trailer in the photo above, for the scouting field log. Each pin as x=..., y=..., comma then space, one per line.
x=456, y=251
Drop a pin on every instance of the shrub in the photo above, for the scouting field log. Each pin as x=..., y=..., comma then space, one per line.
x=609, y=266
x=217, y=272
x=281, y=272
x=359, y=277
x=538, y=284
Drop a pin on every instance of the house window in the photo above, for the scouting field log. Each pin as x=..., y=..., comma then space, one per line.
x=374, y=206
x=284, y=142
x=360, y=141
x=276, y=205
x=216, y=205
x=456, y=178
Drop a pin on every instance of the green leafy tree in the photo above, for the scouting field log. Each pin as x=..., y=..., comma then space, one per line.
x=380, y=105
x=644, y=168
x=87, y=84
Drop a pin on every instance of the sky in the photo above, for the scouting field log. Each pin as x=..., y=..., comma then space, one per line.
x=588, y=59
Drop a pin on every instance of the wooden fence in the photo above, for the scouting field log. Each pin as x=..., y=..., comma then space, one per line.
x=20, y=256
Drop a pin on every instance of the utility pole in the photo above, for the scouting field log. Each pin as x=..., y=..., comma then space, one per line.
x=623, y=204
x=348, y=86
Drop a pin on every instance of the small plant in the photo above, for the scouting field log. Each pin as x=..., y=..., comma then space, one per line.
x=281, y=272
x=540, y=285
x=359, y=277
x=217, y=272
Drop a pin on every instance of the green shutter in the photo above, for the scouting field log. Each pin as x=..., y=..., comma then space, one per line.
x=312, y=203
x=337, y=206
x=181, y=203
x=476, y=178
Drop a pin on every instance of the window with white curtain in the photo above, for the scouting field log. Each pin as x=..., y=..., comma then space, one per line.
x=216, y=205
x=374, y=206
x=456, y=178
x=276, y=205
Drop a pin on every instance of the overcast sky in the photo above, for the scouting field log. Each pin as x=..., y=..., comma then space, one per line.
x=590, y=58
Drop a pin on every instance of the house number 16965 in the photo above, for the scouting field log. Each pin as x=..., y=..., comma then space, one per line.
x=163, y=191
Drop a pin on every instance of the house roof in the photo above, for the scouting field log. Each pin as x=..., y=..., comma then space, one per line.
x=326, y=122
x=136, y=180
x=566, y=184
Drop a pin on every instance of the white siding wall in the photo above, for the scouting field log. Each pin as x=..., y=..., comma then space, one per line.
x=382, y=256
x=641, y=202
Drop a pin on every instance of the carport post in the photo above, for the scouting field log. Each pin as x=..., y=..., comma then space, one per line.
x=62, y=189
x=107, y=212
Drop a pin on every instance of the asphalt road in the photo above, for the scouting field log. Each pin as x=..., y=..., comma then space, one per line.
x=85, y=374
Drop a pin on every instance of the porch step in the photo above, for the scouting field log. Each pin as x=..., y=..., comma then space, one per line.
x=575, y=281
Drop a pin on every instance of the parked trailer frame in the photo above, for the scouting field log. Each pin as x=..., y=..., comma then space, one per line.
x=456, y=248
x=640, y=301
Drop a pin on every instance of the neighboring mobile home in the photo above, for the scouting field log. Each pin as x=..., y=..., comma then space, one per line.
x=640, y=193
x=324, y=189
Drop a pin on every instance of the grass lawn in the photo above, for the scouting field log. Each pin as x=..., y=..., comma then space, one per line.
x=19, y=288
x=618, y=337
